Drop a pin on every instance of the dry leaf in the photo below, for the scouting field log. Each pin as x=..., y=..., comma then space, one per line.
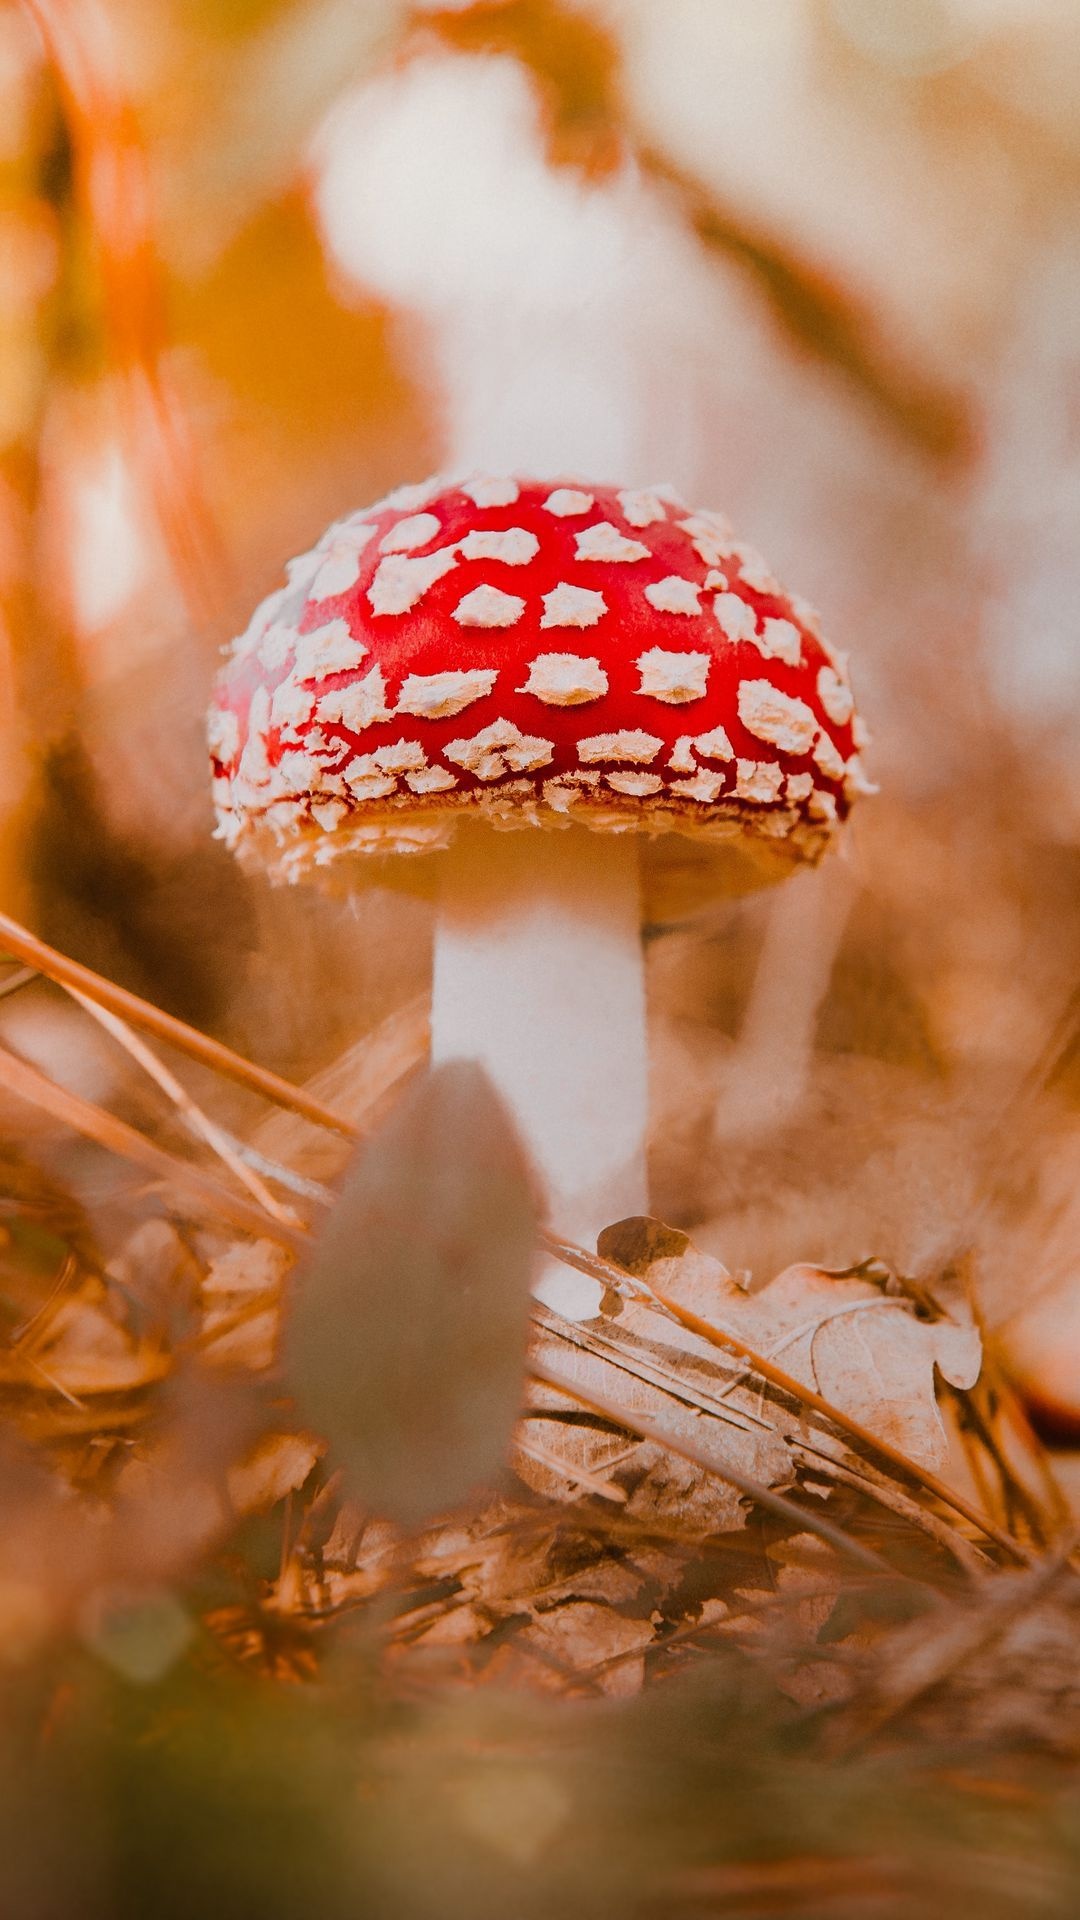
x=277, y=1465
x=636, y=1359
x=406, y=1343
x=867, y=1351
x=80, y=1350
x=584, y=1636
x=241, y=1299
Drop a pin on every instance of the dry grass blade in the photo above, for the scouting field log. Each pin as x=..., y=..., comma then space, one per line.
x=777, y=1503
x=352, y=1088
x=887, y=1494
x=971, y=1630
x=17, y=940
x=616, y=1279
x=316, y=1191
x=566, y=1469
x=200, y=1189
x=1014, y=1416
x=16, y=980
x=200, y=1122
x=983, y=1449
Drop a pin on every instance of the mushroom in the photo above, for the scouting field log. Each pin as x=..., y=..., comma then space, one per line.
x=558, y=706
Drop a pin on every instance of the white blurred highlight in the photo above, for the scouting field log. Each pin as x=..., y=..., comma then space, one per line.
x=109, y=556
x=556, y=309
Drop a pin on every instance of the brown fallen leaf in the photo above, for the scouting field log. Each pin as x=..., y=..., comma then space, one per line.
x=241, y=1297
x=690, y=1396
x=592, y=1641
x=82, y=1350
x=278, y=1464
x=868, y=1351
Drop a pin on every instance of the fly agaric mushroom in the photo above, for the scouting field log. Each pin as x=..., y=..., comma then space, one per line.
x=609, y=672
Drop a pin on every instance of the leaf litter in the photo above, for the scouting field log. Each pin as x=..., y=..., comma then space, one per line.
x=655, y=1502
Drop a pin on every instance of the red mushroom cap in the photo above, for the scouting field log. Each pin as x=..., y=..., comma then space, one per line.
x=531, y=653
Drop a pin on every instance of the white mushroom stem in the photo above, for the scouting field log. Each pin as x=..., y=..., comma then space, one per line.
x=539, y=976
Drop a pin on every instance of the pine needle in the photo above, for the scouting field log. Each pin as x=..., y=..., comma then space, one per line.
x=755, y=1490
x=17, y=940
x=565, y=1469
x=199, y=1121
x=83, y=1117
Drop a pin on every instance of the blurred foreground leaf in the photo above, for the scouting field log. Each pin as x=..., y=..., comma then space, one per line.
x=707, y=1797
x=406, y=1346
